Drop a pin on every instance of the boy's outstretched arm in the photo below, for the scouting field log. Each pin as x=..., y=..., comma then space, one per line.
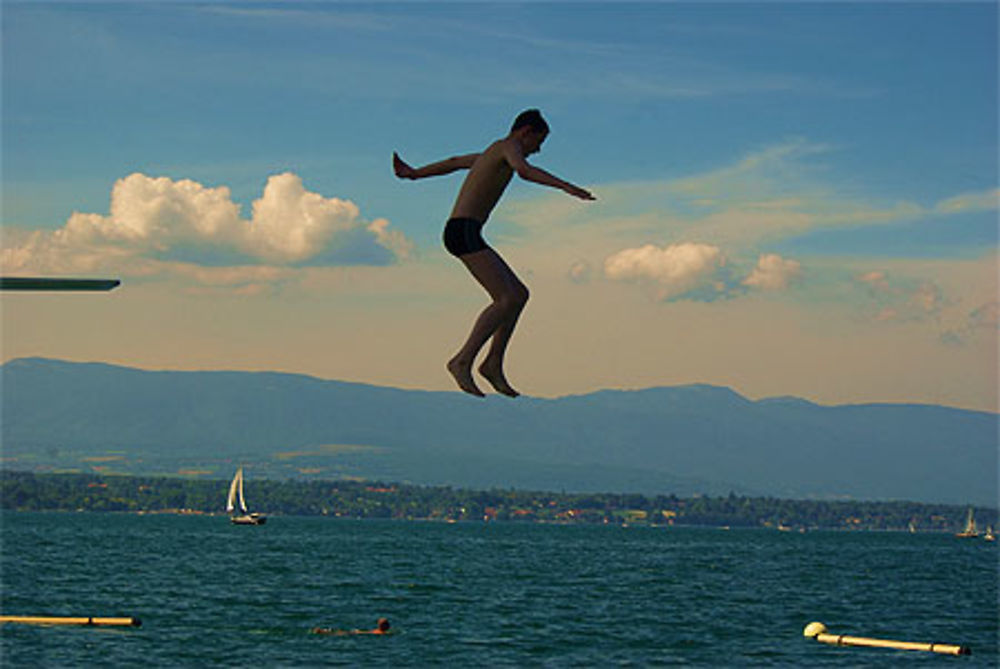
x=540, y=176
x=537, y=175
x=453, y=164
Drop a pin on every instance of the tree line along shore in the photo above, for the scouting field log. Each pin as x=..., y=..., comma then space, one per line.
x=29, y=491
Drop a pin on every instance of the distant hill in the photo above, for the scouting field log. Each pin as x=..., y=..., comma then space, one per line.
x=683, y=440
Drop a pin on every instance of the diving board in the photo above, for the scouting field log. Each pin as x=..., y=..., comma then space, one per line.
x=57, y=284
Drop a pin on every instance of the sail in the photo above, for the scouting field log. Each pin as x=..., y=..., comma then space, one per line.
x=236, y=493
x=970, y=523
x=970, y=527
x=232, y=494
x=243, y=504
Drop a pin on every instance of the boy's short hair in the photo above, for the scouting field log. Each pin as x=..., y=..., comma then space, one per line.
x=532, y=118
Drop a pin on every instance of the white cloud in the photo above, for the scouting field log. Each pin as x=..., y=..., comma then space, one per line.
x=773, y=273
x=153, y=214
x=676, y=269
x=394, y=240
x=698, y=271
x=291, y=224
x=158, y=224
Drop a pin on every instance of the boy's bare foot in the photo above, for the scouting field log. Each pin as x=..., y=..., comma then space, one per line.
x=463, y=377
x=494, y=374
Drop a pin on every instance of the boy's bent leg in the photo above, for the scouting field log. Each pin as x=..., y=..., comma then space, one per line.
x=497, y=320
x=492, y=366
x=516, y=295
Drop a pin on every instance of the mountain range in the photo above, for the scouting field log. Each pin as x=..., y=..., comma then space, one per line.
x=684, y=440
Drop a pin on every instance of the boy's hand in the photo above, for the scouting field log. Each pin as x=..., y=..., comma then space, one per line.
x=402, y=170
x=576, y=191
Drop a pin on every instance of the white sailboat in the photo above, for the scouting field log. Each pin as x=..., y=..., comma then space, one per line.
x=236, y=501
x=989, y=536
x=970, y=530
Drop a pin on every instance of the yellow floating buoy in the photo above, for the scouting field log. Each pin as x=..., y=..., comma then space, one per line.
x=818, y=631
x=71, y=620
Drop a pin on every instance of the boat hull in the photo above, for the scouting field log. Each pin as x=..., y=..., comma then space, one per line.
x=252, y=519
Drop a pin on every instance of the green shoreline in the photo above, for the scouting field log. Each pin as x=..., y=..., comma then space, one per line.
x=29, y=491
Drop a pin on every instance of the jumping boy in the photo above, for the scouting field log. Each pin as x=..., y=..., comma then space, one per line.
x=489, y=174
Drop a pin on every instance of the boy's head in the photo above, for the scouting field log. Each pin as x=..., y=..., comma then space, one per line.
x=531, y=130
x=531, y=118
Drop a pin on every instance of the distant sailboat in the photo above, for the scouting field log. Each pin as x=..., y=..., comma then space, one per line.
x=236, y=500
x=970, y=531
x=989, y=535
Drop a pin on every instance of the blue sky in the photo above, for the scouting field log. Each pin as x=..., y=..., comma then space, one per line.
x=780, y=164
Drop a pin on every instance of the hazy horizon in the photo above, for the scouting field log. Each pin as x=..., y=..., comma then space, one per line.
x=456, y=391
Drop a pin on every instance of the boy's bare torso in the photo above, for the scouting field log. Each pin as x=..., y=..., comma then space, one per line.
x=487, y=179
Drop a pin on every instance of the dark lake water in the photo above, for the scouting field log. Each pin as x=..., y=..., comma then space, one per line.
x=488, y=595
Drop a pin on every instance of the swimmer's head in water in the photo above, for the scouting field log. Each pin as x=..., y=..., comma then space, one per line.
x=383, y=624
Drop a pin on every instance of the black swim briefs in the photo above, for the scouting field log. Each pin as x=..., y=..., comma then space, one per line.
x=463, y=236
